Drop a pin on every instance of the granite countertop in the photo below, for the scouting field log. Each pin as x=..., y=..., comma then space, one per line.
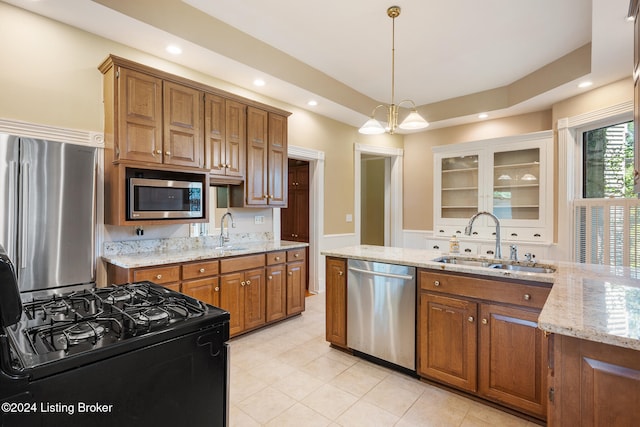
x=593, y=302
x=150, y=258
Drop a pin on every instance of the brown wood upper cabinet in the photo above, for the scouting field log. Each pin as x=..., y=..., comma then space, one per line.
x=225, y=136
x=266, y=179
x=151, y=120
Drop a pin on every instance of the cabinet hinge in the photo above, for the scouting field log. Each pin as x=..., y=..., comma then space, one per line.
x=551, y=394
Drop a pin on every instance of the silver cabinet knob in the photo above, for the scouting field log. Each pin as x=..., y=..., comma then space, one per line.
x=485, y=321
x=243, y=283
x=291, y=273
x=248, y=282
x=470, y=319
x=217, y=288
x=340, y=273
x=527, y=297
x=436, y=283
x=158, y=151
x=168, y=153
x=202, y=270
x=296, y=255
x=159, y=276
x=277, y=258
x=270, y=277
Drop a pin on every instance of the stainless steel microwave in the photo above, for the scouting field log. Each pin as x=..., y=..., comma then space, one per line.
x=164, y=199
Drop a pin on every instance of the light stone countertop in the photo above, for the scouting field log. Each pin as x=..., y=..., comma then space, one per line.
x=151, y=258
x=593, y=302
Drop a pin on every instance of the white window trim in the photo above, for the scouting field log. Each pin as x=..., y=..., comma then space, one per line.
x=570, y=173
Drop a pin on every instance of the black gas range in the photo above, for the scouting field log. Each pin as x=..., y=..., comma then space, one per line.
x=137, y=354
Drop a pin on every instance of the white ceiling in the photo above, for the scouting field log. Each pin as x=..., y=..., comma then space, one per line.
x=444, y=49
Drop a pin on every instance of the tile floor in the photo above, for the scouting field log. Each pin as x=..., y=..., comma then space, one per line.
x=288, y=375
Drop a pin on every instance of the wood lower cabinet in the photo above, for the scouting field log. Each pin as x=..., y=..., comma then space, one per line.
x=206, y=290
x=276, y=292
x=593, y=384
x=296, y=286
x=481, y=335
x=513, y=358
x=243, y=295
x=336, y=305
x=447, y=340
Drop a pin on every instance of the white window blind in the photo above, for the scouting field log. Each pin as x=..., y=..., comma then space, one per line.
x=607, y=231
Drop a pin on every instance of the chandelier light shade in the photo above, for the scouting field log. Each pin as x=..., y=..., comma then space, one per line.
x=414, y=121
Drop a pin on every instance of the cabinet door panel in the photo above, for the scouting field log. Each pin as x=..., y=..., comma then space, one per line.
x=255, y=304
x=139, y=117
x=236, y=138
x=182, y=125
x=232, y=299
x=256, y=179
x=205, y=290
x=336, y=294
x=296, y=287
x=276, y=293
x=513, y=358
x=215, y=133
x=277, y=160
x=448, y=340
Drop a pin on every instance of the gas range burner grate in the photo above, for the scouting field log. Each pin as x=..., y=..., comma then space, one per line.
x=84, y=331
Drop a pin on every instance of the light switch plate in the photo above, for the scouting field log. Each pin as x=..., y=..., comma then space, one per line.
x=349, y=218
x=258, y=219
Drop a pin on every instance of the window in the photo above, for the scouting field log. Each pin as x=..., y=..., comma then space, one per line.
x=608, y=161
x=607, y=218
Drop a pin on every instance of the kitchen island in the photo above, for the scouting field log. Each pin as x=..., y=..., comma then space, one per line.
x=588, y=328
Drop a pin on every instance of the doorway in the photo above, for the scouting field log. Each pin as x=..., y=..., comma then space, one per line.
x=373, y=200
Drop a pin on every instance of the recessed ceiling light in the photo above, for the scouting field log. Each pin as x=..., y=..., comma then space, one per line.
x=259, y=82
x=312, y=103
x=174, y=49
x=585, y=84
x=483, y=115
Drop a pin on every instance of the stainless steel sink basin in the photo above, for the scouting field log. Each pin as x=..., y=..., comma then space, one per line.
x=463, y=261
x=497, y=264
x=525, y=268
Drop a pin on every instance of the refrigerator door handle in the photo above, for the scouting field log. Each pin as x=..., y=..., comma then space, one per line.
x=25, y=215
x=12, y=210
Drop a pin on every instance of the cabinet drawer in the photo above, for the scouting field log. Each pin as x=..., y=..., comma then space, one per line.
x=158, y=274
x=517, y=293
x=198, y=270
x=242, y=263
x=276, y=258
x=296, y=254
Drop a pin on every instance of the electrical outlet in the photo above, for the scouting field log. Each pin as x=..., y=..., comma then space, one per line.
x=258, y=219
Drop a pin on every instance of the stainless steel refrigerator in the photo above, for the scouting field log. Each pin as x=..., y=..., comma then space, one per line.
x=47, y=213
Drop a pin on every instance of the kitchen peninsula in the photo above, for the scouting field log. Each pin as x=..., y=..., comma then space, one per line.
x=257, y=282
x=554, y=345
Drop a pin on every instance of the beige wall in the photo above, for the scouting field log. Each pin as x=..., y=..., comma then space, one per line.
x=51, y=77
x=418, y=158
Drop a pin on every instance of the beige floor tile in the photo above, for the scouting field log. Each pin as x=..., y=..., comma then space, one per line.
x=392, y=397
x=325, y=368
x=237, y=418
x=299, y=415
x=298, y=385
x=359, y=379
x=243, y=385
x=436, y=407
x=266, y=404
x=363, y=414
x=298, y=356
x=329, y=401
x=484, y=416
x=271, y=370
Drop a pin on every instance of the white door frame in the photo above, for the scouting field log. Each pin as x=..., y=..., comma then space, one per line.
x=316, y=211
x=393, y=191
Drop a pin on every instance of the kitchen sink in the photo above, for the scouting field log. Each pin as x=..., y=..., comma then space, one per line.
x=524, y=267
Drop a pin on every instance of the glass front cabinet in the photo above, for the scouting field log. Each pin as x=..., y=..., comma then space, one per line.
x=510, y=177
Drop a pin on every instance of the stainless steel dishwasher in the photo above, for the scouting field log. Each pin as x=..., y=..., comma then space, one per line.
x=381, y=311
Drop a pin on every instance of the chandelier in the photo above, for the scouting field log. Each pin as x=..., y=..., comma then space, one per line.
x=414, y=120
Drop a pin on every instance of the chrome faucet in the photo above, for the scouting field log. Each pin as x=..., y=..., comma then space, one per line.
x=467, y=230
x=224, y=239
x=513, y=255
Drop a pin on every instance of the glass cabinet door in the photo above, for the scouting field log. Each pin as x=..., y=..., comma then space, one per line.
x=516, y=184
x=459, y=189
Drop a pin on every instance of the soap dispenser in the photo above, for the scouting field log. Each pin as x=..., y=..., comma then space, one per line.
x=454, y=245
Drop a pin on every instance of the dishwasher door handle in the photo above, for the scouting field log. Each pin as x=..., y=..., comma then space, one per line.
x=379, y=273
